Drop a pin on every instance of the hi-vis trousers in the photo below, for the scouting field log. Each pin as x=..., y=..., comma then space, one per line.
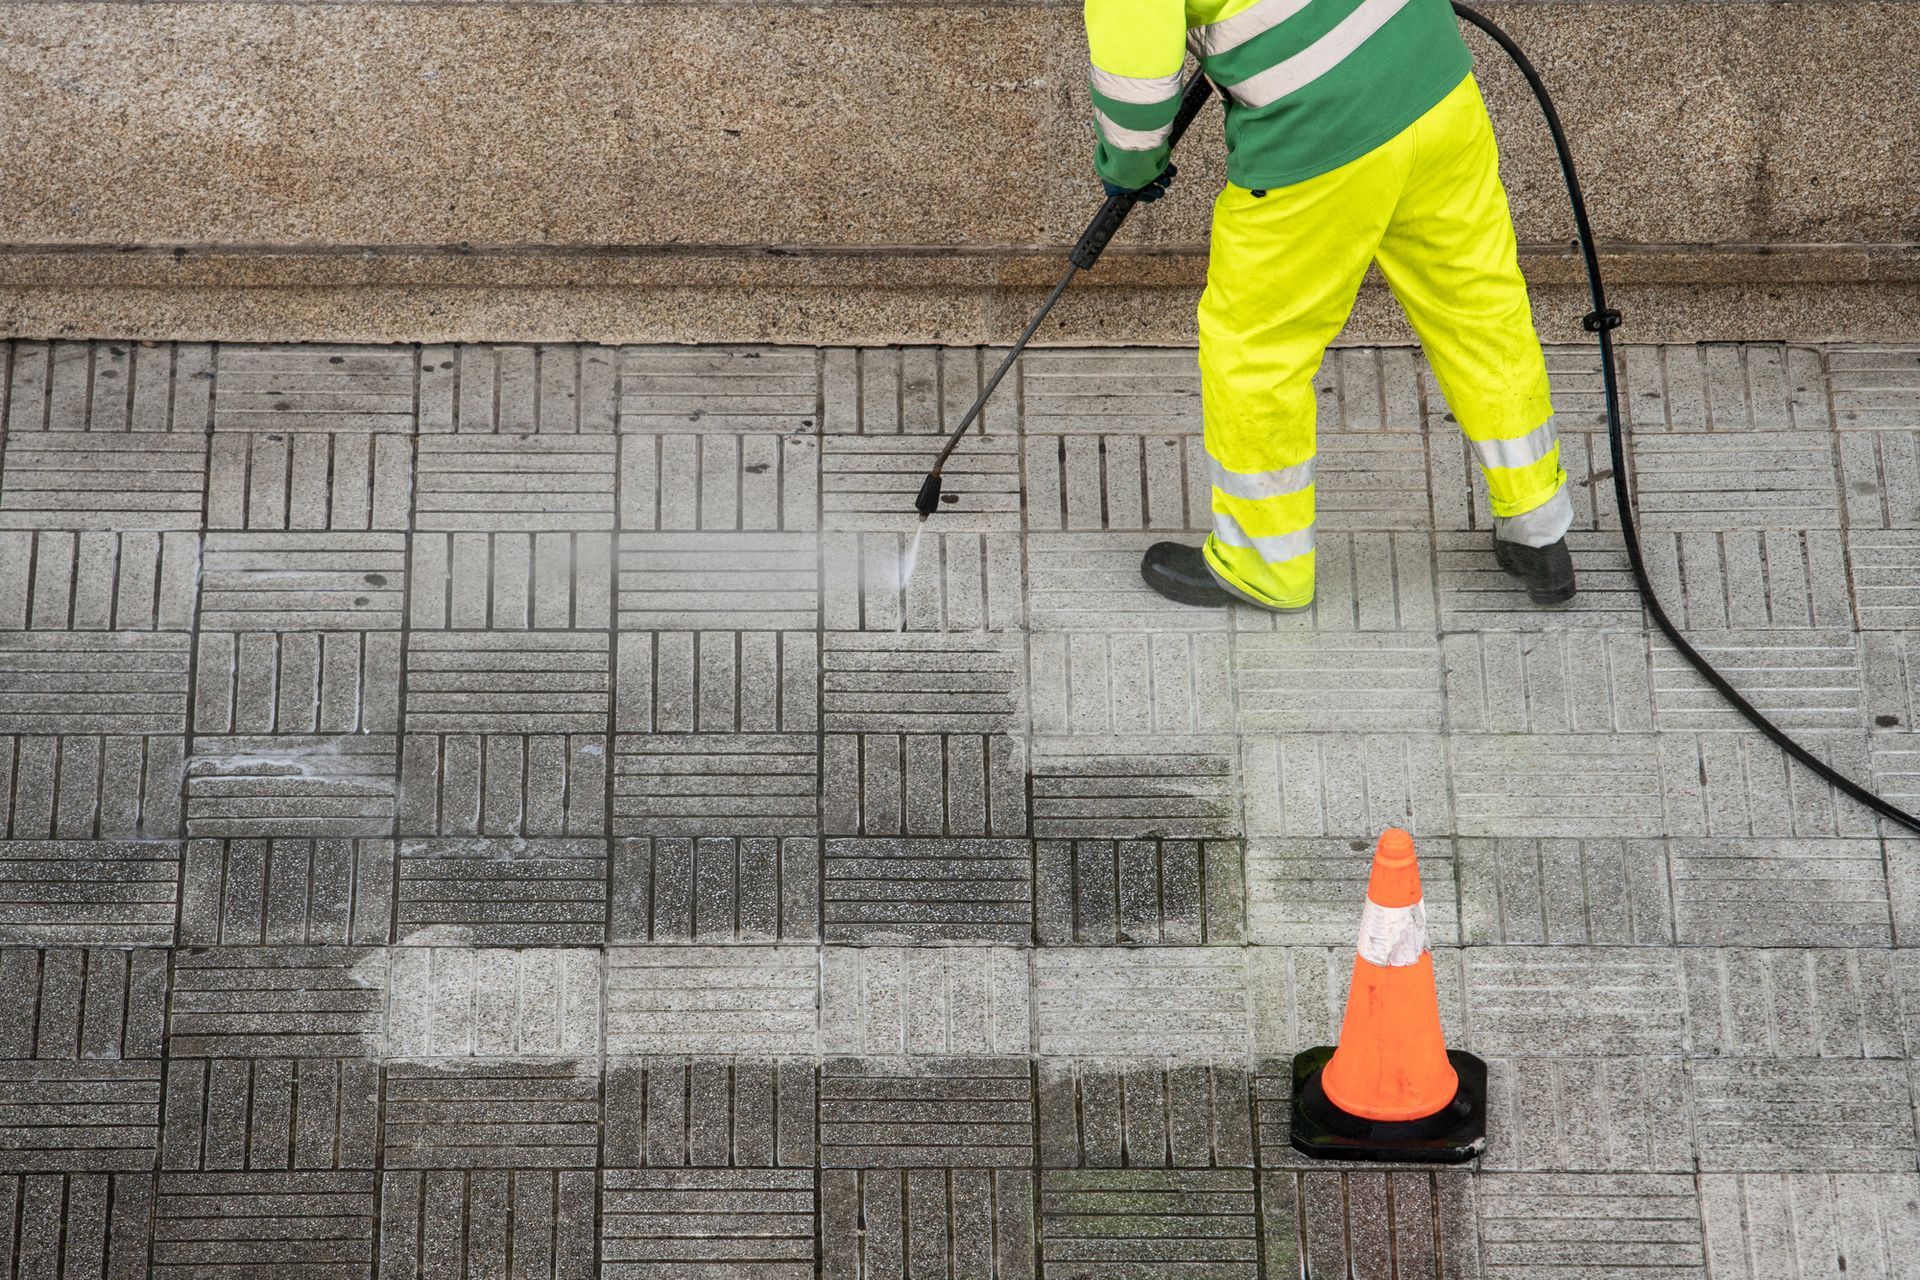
x=1285, y=270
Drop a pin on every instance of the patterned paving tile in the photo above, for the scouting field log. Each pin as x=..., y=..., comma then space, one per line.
x=710, y=1113
x=1547, y=682
x=1186, y=1002
x=753, y=1000
x=923, y=784
x=1754, y=1115
x=314, y=388
x=67, y=1004
x=94, y=479
x=1309, y=892
x=1790, y=1002
x=1362, y=582
x=1102, y=892
x=272, y=1002
x=1586, y=1001
x=1090, y=582
x=1574, y=785
x=715, y=889
x=878, y=1002
x=263, y=1224
x=1802, y=680
x=1577, y=1225
x=1148, y=1222
x=90, y=1117
x=1135, y=788
x=1564, y=891
x=1403, y=1223
x=878, y=1221
x=1372, y=683
x=510, y=581
x=1801, y=1225
x=531, y=1222
x=78, y=1224
x=1736, y=480
x=1475, y=594
x=763, y=784
x=1137, y=1114
x=287, y=892
x=313, y=478
x=1346, y=784
x=1780, y=892
x=926, y=1113
x=1750, y=579
x=89, y=891
x=959, y=582
x=517, y=483
x=724, y=389
x=893, y=891
x=1874, y=387
x=99, y=580
x=708, y=1224
x=492, y=1115
x=271, y=1113
x=503, y=784
x=713, y=481
x=1589, y=1115
x=1739, y=784
x=493, y=1002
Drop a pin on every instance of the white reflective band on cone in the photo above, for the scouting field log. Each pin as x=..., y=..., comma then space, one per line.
x=1392, y=936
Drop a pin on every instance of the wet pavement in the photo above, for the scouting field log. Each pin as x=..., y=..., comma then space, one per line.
x=510, y=811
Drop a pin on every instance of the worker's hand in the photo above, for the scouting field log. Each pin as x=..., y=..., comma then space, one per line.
x=1152, y=191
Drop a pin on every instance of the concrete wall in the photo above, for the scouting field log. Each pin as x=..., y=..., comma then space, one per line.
x=880, y=172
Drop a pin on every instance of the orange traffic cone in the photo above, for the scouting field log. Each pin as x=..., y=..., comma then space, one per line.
x=1392, y=1090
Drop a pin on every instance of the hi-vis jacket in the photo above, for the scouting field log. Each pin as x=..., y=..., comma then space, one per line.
x=1311, y=84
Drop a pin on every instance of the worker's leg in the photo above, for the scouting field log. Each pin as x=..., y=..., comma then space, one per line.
x=1449, y=254
x=1284, y=271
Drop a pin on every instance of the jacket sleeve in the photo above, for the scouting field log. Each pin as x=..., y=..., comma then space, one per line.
x=1138, y=48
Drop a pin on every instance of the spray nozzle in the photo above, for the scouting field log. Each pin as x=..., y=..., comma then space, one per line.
x=929, y=500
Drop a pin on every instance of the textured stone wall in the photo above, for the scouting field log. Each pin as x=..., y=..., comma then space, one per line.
x=886, y=172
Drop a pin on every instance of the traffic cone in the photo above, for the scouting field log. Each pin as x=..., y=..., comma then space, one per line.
x=1392, y=1090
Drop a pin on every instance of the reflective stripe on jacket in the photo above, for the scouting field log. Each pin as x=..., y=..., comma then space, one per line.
x=1311, y=84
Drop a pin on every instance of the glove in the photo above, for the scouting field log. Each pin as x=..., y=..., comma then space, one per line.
x=1149, y=193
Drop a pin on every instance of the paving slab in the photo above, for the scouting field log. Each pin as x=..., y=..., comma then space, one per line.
x=554, y=811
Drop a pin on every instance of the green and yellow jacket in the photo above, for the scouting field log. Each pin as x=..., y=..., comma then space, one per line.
x=1310, y=84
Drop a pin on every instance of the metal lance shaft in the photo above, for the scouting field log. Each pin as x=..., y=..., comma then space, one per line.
x=1093, y=241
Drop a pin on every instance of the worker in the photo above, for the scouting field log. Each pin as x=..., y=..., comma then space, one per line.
x=1355, y=133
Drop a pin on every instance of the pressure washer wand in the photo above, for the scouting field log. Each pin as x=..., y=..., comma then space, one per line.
x=1093, y=241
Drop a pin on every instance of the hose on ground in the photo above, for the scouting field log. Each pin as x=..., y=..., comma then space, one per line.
x=1601, y=322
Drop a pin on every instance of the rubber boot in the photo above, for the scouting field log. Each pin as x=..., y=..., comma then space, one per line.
x=1180, y=573
x=1547, y=571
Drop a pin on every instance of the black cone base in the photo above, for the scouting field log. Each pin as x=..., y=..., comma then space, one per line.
x=1454, y=1134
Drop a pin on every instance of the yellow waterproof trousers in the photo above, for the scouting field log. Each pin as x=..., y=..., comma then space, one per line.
x=1286, y=267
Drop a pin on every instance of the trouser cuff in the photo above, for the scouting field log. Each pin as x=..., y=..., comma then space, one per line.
x=1544, y=525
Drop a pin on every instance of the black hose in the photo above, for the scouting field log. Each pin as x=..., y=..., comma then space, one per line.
x=1602, y=321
